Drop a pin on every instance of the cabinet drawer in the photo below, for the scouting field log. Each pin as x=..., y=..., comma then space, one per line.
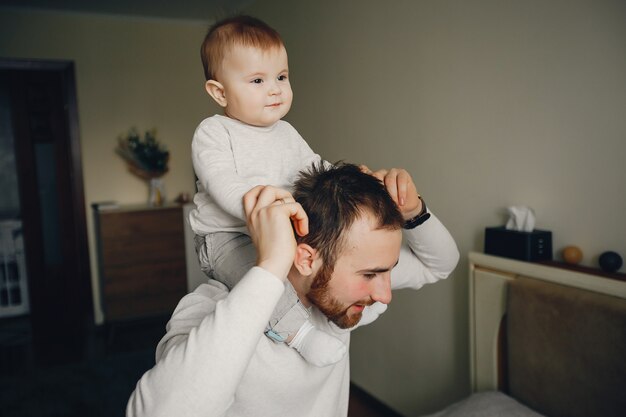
x=127, y=225
x=144, y=279
x=142, y=261
x=143, y=249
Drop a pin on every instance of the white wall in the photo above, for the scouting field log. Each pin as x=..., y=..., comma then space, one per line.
x=488, y=104
x=129, y=72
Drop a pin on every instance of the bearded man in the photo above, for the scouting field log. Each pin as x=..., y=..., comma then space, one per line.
x=345, y=257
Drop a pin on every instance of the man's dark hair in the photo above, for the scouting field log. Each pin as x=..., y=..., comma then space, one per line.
x=333, y=197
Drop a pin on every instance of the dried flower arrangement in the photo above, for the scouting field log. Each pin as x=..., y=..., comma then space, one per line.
x=146, y=158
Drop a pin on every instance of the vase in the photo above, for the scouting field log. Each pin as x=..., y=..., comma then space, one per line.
x=156, y=196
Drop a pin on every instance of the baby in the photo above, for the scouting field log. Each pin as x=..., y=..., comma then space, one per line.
x=247, y=73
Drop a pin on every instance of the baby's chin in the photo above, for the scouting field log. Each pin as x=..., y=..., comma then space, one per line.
x=258, y=122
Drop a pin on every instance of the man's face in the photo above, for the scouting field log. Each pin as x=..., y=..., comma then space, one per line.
x=256, y=85
x=361, y=275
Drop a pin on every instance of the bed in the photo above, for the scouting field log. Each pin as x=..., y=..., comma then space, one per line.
x=544, y=341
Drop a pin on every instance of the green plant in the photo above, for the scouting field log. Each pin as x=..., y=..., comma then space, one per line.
x=146, y=158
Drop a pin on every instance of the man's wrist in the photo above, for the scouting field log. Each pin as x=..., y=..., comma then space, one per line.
x=419, y=218
x=274, y=268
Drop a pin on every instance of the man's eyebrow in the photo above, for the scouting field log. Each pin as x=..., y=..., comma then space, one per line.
x=377, y=270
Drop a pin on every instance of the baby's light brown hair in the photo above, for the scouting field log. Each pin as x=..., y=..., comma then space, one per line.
x=235, y=31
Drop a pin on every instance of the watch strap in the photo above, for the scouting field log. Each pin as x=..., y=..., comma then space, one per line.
x=421, y=217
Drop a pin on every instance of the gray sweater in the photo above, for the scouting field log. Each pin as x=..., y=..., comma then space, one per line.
x=231, y=157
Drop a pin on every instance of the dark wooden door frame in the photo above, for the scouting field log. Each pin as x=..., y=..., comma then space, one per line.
x=76, y=286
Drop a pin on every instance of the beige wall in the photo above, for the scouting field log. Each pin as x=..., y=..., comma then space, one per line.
x=129, y=72
x=488, y=104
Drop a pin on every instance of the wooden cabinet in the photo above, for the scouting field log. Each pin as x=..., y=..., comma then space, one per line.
x=141, y=260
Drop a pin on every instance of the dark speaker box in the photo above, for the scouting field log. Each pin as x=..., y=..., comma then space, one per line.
x=525, y=246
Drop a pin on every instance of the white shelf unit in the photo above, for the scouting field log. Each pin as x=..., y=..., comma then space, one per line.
x=13, y=279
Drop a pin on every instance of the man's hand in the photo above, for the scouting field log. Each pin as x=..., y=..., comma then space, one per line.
x=269, y=214
x=400, y=186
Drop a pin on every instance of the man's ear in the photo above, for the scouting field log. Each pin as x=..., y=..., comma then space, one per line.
x=216, y=90
x=307, y=260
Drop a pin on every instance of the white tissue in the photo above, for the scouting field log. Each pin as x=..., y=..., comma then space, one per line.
x=521, y=218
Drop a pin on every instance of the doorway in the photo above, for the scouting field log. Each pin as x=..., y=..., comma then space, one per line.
x=47, y=199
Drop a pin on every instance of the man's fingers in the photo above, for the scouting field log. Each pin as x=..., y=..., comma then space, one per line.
x=270, y=195
x=299, y=218
x=380, y=174
x=398, y=183
x=285, y=200
x=294, y=212
x=364, y=169
x=404, y=180
x=272, y=215
x=262, y=196
x=391, y=183
x=250, y=199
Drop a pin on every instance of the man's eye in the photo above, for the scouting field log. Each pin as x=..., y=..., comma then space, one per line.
x=282, y=77
x=257, y=81
x=370, y=276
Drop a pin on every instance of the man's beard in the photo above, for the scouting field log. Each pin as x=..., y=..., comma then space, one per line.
x=319, y=295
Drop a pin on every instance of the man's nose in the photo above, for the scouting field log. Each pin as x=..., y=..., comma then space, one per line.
x=381, y=288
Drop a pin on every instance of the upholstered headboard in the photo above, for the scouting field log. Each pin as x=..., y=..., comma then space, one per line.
x=553, y=339
x=566, y=349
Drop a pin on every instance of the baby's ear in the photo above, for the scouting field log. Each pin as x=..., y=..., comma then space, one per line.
x=216, y=90
x=307, y=260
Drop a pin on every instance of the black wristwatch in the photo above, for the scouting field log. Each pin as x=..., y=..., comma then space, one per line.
x=421, y=217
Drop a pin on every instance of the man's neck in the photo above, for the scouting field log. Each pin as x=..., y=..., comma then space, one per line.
x=301, y=284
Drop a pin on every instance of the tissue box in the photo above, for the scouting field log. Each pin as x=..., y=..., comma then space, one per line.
x=525, y=246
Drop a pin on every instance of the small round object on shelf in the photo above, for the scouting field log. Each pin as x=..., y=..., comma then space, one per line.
x=572, y=255
x=610, y=261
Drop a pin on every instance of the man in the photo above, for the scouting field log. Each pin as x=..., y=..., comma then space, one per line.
x=214, y=361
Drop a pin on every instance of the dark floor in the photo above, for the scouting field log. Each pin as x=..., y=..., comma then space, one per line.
x=88, y=375
x=106, y=363
x=19, y=352
x=363, y=404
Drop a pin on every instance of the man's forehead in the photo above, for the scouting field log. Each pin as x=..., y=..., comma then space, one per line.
x=365, y=238
x=367, y=227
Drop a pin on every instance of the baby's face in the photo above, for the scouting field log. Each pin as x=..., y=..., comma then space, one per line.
x=256, y=85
